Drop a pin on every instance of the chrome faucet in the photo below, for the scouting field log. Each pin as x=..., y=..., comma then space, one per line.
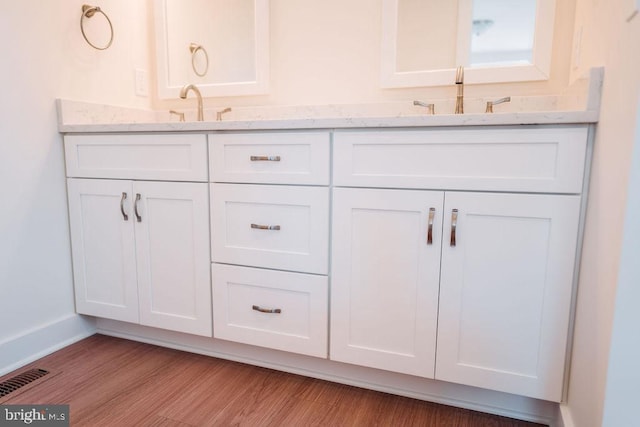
x=460, y=86
x=183, y=94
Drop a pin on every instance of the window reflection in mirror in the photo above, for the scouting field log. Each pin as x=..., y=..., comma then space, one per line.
x=502, y=32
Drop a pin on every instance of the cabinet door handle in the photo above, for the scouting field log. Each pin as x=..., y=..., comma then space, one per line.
x=432, y=213
x=265, y=158
x=266, y=310
x=454, y=224
x=265, y=227
x=135, y=207
x=124, y=215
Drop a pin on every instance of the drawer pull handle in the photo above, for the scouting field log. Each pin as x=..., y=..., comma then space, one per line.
x=265, y=227
x=454, y=224
x=266, y=310
x=135, y=207
x=265, y=158
x=124, y=215
x=432, y=213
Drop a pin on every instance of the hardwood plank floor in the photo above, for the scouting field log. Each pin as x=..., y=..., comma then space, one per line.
x=114, y=382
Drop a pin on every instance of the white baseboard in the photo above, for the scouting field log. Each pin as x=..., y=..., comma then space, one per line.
x=564, y=417
x=457, y=395
x=26, y=347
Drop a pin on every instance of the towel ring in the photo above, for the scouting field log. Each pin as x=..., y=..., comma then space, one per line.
x=88, y=12
x=194, y=48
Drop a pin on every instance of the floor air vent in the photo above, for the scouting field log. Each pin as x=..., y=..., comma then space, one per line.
x=21, y=380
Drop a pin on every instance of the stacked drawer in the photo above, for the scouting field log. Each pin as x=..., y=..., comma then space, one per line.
x=270, y=239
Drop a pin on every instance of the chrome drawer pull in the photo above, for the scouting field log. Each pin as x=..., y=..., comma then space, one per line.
x=265, y=227
x=266, y=310
x=454, y=224
x=135, y=207
x=432, y=213
x=124, y=215
x=265, y=158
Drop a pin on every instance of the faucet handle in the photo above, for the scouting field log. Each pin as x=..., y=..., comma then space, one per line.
x=178, y=113
x=431, y=108
x=221, y=112
x=490, y=104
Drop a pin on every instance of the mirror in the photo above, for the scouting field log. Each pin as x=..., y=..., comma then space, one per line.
x=423, y=41
x=222, y=46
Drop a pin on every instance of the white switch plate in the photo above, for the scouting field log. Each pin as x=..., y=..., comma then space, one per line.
x=142, y=82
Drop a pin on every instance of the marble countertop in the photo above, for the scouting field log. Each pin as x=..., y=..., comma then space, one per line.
x=580, y=105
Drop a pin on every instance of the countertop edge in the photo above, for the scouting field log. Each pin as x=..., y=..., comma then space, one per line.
x=496, y=119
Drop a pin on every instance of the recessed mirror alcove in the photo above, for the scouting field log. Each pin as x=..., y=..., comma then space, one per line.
x=222, y=46
x=423, y=41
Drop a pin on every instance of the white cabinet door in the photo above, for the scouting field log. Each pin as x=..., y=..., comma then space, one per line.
x=505, y=291
x=384, y=290
x=103, y=248
x=172, y=247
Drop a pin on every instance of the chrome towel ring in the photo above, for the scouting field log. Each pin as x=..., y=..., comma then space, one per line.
x=194, y=48
x=88, y=12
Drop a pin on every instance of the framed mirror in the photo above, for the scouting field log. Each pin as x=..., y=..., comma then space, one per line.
x=222, y=46
x=423, y=41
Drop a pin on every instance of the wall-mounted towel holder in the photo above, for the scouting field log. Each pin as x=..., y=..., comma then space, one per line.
x=88, y=12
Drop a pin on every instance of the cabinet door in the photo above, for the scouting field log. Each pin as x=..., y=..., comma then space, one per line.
x=384, y=290
x=172, y=247
x=103, y=248
x=505, y=291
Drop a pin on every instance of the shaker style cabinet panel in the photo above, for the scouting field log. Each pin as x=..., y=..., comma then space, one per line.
x=268, y=308
x=505, y=291
x=103, y=248
x=280, y=227
x=141, y=252
x=537, y=159
x=172, y=248
x=384, y=285
x=297, y=158
x=168, y=157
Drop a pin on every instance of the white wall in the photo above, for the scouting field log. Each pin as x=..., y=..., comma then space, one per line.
x=608, y=40
x=44, y=57
x=623, y=376
x=328, y=52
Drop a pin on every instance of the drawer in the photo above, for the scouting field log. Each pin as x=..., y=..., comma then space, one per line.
x=166, y=157
x=270, y=158
x=547, y=159
x=281, y=227
x=275, y=309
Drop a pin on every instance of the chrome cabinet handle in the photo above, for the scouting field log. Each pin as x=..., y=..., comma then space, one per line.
x=432, y=213
x=135, y=207
x=122, y=199
x=454, y=224
x=266, y=310
x=265, y=227
x=265, y=158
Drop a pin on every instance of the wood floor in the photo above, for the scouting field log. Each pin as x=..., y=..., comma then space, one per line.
x=113, y=382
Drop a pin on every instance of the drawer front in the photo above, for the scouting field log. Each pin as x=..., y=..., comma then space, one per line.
x=281, y=227
x=270, y=158
x=275, y=309
x=152, y=157
x=526, y=158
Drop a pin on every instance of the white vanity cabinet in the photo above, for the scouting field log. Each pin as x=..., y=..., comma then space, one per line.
x=270, y=239
x=140, y=248
x=495, y=277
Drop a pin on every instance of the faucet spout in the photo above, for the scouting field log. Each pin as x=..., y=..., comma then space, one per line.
x=183, y=94
x=460, y=86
